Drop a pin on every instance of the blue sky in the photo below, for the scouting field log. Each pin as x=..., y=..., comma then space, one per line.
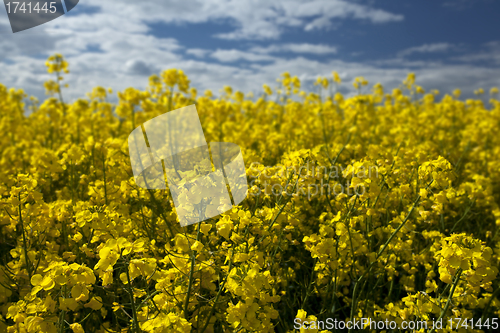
x=245, y=43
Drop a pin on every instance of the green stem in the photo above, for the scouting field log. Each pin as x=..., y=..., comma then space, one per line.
x=354, y=300
x=135, y=323
x=485, y=311
x=310, y=284
x=191, y=273
x=104, y=178
x=25, y=245
x=60, y=93
x=212, y=310
x=448, y=302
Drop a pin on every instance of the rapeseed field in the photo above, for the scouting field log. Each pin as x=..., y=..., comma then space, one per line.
x=381, y=205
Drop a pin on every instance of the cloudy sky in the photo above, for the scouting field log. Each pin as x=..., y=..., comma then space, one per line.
x=245, y=43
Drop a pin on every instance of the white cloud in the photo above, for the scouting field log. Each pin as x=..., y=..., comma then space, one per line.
x=297, y=48
x=426, y=48
x=140, y=67
x=263, y=19
x=490, y=54
x=199, y=53
x=234, y=55
x=328, y=11
x=252, y=19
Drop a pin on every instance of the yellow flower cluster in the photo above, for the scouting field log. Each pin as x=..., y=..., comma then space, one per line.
x=84, y=249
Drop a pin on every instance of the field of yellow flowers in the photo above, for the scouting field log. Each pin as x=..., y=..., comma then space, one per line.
x=84, y=249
